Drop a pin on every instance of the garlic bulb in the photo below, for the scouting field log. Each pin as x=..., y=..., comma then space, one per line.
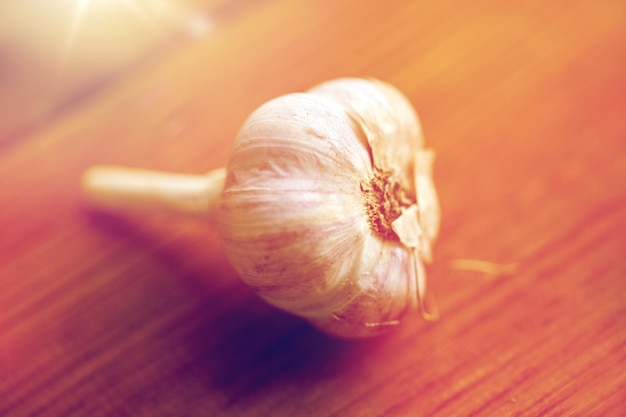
x=328, y=209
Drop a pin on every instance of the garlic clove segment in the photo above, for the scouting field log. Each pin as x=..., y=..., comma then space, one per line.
x=386, y=118
x=290, y=216
x=313, y=188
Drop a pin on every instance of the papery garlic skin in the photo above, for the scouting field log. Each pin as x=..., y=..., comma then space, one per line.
x=297, y=217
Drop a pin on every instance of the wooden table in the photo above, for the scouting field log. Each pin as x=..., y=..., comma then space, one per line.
x=525, y=106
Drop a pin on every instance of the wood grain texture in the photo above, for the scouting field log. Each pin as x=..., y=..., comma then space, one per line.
x=525, y=106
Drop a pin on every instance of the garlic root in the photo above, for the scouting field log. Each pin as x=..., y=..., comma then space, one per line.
x=485, y=267
x=125, y=189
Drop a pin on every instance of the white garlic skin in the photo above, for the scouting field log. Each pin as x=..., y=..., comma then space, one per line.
x=296, y=217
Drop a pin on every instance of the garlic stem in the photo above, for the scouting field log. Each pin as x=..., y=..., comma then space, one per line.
x=129, y=189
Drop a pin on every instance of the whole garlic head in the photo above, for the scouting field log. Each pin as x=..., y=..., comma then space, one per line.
x=329, y=209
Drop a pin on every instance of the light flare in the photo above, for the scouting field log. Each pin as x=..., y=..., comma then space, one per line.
x=81, y=10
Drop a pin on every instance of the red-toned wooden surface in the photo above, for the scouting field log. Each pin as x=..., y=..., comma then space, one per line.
x=525, y=105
